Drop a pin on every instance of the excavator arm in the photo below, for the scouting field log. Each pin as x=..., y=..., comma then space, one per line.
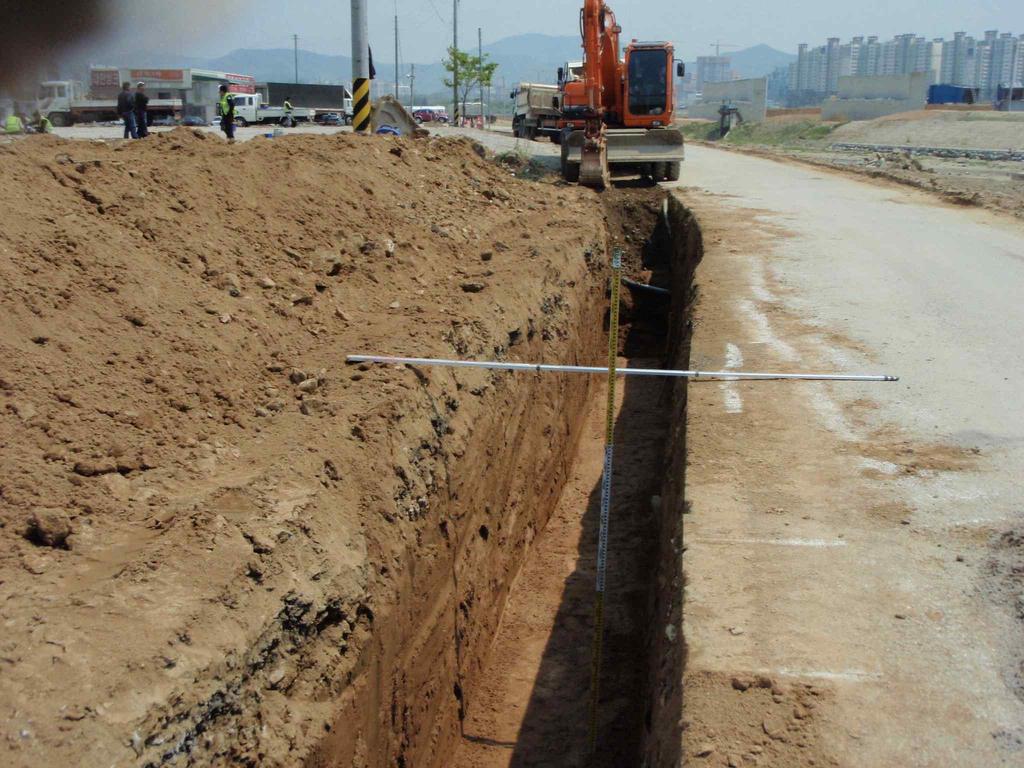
x=594, y=161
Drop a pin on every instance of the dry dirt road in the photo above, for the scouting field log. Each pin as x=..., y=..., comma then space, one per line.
x=865, y=540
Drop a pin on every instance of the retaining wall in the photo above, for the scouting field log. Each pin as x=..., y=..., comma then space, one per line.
x=865, y=98
x=750, y=96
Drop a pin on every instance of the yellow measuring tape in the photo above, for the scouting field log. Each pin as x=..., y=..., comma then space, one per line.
x=606, y=498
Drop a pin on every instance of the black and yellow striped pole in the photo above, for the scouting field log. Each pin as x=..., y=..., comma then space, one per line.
x=361, y=104
x=360, y=66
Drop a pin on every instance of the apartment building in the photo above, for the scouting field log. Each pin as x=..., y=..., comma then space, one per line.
x=996, y=59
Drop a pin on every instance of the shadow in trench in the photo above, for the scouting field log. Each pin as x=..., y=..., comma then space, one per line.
x=555, y=726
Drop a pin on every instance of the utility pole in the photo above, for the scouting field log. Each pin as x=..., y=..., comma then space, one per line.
x=295, y=40
x=480, y=73
x=455, y=60
x=397, y=75
x=360, y=66
x=412, y=87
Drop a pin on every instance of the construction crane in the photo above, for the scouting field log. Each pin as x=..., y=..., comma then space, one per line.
x=719, y=45
x=619, y=112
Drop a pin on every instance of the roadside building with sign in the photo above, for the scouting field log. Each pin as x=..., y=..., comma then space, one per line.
x=196, y=89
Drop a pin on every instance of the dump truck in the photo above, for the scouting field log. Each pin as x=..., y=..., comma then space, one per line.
x=624, y=103
x=537, y=111
x=66, y=102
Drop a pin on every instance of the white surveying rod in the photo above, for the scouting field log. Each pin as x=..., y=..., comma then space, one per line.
x=598, y=370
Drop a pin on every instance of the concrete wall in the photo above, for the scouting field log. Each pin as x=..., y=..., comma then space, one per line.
x=750, y=96
x=865, y=98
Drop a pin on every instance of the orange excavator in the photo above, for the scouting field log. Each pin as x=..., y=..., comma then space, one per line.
x=619, y=113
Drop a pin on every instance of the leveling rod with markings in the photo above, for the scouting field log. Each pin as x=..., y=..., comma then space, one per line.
x=603, y=371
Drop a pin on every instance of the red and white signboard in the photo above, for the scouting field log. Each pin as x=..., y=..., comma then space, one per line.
x=162, y=78
x=240, y=83
x=104, y=77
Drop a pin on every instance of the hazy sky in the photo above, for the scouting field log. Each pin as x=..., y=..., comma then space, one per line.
x=212, y=27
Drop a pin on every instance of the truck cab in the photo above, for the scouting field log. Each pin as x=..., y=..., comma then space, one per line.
x=57, y=98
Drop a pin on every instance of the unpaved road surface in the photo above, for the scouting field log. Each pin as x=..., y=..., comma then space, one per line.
x=862, y=540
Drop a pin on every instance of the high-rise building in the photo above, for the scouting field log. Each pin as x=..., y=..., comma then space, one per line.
x=713, y=69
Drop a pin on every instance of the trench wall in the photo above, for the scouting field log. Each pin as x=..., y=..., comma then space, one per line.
x=503, y=471
x=666, y=652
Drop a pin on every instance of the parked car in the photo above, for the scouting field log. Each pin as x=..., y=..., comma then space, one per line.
x=333, y=118
x=430, y=115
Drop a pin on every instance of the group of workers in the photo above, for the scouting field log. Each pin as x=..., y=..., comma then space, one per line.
x=16, y=124
x=133, y=108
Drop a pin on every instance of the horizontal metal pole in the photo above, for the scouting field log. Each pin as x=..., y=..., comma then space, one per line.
x=669, y=374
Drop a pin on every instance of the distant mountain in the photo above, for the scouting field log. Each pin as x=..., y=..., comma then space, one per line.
x=759, y=61
x=532, y=57
x=277, y=65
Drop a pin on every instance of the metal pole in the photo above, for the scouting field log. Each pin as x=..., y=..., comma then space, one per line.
x=480, y=73
x=412, y=87
x=397, y=98
x=598, y=370
x=455, y=61
x=295, y=39
x=360, y=66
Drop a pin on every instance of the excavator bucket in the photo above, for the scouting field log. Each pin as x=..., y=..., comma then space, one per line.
x=656, y=152
x=594, y=165
x=389, y=112
x=639, y=145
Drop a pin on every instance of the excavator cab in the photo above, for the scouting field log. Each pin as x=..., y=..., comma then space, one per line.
x=648, y=85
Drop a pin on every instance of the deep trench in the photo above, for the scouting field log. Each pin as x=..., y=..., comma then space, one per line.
x=454, y=711
x=530, y=706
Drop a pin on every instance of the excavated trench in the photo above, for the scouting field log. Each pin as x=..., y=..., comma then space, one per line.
x=486, y=662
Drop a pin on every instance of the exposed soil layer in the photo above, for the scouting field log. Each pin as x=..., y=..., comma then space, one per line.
x=220, y=544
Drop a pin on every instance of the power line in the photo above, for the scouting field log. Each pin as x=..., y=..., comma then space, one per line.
x=438, y=13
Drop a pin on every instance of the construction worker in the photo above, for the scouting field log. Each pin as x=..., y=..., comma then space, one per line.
x=287, y=121
x=126, y=110
x=41, y=123
x=141, y=111
x=13, y=125
x=226, y=110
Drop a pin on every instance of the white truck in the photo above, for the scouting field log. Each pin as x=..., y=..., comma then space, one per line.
x=249, y=108
x=537, y=111
x=67, y=102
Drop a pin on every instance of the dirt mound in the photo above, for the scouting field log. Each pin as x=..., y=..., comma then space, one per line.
x=205, y=515
x=975, y=130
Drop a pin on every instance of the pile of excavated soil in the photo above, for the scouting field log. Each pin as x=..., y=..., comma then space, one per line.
x=209, y=524
x=974, y=130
